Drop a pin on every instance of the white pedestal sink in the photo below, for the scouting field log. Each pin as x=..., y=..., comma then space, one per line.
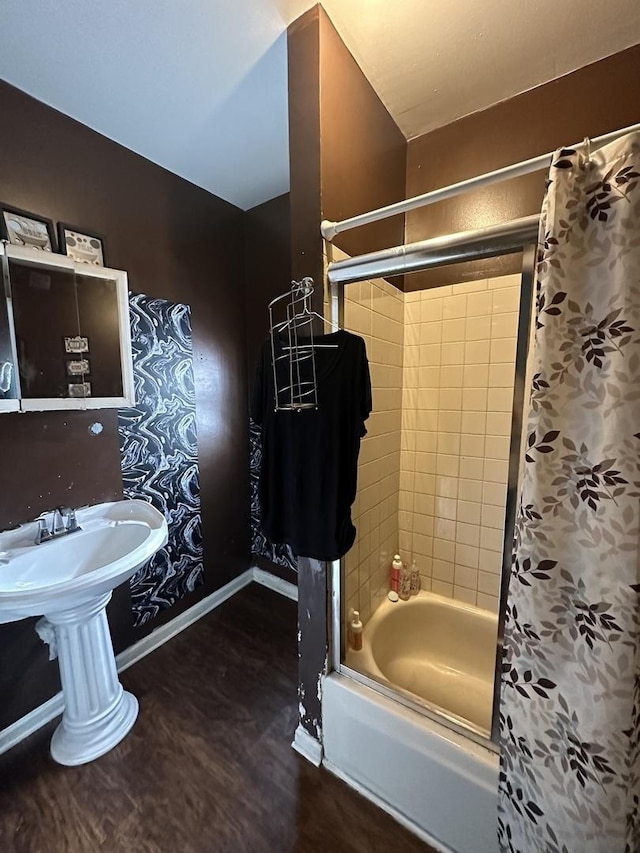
x=68, y=580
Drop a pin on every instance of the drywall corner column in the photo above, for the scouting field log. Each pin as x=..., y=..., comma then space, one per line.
x=303, y=44
x=313, y=642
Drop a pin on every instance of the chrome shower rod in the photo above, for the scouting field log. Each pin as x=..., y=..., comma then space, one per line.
x=330, y=229
x=500, y=239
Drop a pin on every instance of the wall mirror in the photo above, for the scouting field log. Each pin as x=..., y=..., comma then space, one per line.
x=65, y=340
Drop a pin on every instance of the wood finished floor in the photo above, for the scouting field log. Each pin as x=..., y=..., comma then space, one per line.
x=208, y=767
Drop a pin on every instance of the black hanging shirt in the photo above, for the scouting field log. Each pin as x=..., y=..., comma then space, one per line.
x=310, y=457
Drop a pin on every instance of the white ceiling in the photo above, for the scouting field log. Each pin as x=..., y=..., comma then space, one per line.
x=200, y=86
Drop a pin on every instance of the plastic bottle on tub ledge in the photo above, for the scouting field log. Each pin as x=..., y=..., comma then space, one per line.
x=405, y=583
x=356, y=631
x=414, y=581
x=396, y=571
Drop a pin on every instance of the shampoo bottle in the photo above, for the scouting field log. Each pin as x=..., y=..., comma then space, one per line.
x=396, y=569
x=356, y=631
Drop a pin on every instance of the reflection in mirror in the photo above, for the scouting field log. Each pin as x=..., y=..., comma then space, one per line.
x=99, y=369
x=8, y=383
x=45, y=314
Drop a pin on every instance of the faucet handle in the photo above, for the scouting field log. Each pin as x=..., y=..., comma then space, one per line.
x=68, y=516
x=44, y=532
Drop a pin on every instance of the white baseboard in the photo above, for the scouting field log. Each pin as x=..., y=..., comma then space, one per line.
x=52, y=708
x=31, y=722
x=165, y=632
x=290, y=590
x=307, y=746
x=390, y=810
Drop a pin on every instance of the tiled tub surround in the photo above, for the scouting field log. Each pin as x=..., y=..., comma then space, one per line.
x=375, y=310
x=458, y=382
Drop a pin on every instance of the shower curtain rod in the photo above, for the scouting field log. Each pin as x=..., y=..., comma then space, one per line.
x=330, y=229
x=500, y=239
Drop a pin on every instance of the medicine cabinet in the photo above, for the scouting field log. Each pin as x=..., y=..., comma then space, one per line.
x=65, y=339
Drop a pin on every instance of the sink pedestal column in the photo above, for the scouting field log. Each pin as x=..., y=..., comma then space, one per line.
x=98, y=713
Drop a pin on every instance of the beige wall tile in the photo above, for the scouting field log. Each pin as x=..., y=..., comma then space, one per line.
x=431, y=310
x=451, y=398
x=470, y=490
x=464, y=576
x=497, y=446
x=477, y=329
x=468, y=596
x=506, y=299
x=470, y=512
x=489, y=583
x=490, y=561
x=474, y=423
x=500, y=400
x=491, y=539
x=435, y=292
x=494, y=493
x=503, y=349
x=504, y=325
x=488, y=602
x=441, y=588
x=476, y=375
x=466, y=555
x=472, y=468
x=471, y=286
x=435, y=462
x=447, y=465
x=477, y=352
x=468, y=534
x=472, y=444
x=496, y=471
x=431, y=333
x=443, y=570
x=479, y=304
x=455, y=307
x=493, y=516
x=498, y=423
x=502, y=375
x=444, y=550
x=452, y=353
x=450, y=376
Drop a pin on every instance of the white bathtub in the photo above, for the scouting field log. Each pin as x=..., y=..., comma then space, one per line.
x=439, y=650
x=433, y=778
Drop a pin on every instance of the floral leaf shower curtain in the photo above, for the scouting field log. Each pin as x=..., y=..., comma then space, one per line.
x=570, y=712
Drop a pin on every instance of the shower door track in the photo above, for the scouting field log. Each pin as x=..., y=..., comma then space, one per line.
x=517, y=236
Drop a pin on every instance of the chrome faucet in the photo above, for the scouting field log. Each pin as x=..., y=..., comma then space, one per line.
x=57, y=522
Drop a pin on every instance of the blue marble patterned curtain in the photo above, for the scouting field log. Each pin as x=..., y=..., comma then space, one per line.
x=570, y=712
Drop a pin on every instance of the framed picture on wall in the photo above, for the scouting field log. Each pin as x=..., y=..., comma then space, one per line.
x=82, y=247
x=22, y=228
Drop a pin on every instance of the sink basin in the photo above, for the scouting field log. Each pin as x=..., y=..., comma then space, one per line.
x=115, y=539
x=68, y=581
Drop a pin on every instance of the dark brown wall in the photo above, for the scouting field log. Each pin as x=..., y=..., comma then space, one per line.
x=267, y=270
x=346, y=153
x=594, y=100
x=303, y=46
x=176, y=242
x=267, y=267
x=363, y=152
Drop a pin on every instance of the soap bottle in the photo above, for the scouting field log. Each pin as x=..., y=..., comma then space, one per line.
x=415, y=578
x=405, y=583
x=396, y=569
x=356, y=631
